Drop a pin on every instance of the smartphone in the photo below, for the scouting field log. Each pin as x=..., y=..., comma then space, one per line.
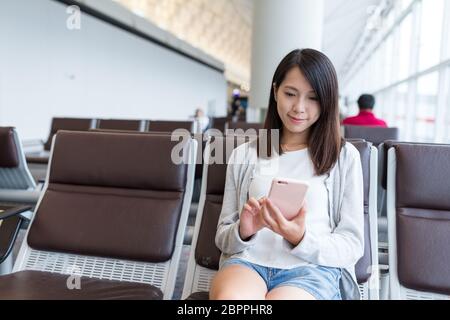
x=288, y=195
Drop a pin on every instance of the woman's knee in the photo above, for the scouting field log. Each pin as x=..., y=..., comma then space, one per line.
x=224, y=294
x=237, y=294
x=237, y=282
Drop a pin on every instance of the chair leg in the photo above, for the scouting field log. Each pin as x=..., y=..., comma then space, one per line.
x=384, y=284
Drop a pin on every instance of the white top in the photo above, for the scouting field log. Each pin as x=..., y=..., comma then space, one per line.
x=341, y=248
x=271, y=249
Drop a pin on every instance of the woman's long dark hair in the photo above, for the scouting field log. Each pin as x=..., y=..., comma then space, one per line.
x=325, y=141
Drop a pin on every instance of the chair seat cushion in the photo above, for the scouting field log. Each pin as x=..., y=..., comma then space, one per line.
x=199, y=296
x=36, y=285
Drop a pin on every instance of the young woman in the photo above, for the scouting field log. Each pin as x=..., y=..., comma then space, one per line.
x=312, y=256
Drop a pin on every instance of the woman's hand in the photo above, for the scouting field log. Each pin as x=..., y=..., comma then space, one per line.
x=251, y=220
x=291, y=230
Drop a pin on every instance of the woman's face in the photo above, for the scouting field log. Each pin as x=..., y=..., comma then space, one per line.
x=297, y=102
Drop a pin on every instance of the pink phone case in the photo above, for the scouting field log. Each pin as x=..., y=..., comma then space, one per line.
x=288, y=195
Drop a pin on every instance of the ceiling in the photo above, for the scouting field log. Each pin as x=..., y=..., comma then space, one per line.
x=222, y=28
x=344, y=23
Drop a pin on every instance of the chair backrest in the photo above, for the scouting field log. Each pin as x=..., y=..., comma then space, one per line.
x=8, y=153
x=206, y=252
x=364, y=267
x=199, y=137
x=376, y=135
x=206, y=255
x=383, y=150
x=9, y=229
x=419, y=220
x=245, y=126
x=14, y=173
x=170, y=126
x=72, y=124
x=113, y=187
x=219, y=123
x=119, y=124
x=111, y=195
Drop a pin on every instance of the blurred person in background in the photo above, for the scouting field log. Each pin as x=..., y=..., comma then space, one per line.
x=366, y=103
x=201, y=120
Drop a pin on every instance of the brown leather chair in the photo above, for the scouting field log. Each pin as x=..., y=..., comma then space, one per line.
x=16, y=182
x=111, y=220
x=169, y=126
x=204, y=259
x=382, y=203
x=72, y=124
x=219, y=123
x=418, y=189
x=16, y=186
x=367, y=267
x=198, y=171
x=119, y=124
x=14, y=173
x=376, y=135
x=11, y=220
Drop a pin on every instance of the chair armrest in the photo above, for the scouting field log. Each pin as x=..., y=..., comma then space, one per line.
x=14, y=211
x=40, y=185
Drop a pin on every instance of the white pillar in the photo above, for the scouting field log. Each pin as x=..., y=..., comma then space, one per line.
x=279, y=26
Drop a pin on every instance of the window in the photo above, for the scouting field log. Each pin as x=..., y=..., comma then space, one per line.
x=389, y=107
x=404, y=52
x=447, y=106
x=399, y=70
x=431, y=33
x=447, y=30
x=378, y=74
x=380, y=106
x=387, y=64
x=426, y=105
x=404, y=4
x=401, y=107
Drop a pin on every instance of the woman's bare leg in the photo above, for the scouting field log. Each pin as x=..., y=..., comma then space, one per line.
x=236, y=282
x=289, y=293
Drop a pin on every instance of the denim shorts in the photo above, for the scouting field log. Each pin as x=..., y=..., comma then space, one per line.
x=321, y=282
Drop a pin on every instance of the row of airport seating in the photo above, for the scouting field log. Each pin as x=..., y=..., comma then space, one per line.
x=82, y=124
x=79, y=124
x=113, y=212
x=38, y=159
x=81, y=194
x=204, y=259
x=88, y=209
x=16, y=182
x=380, y=137
x=413, y=213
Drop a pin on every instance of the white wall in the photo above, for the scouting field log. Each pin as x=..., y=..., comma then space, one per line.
x=47, y=70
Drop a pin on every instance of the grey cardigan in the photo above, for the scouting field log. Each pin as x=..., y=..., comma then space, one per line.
x=341, y=249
